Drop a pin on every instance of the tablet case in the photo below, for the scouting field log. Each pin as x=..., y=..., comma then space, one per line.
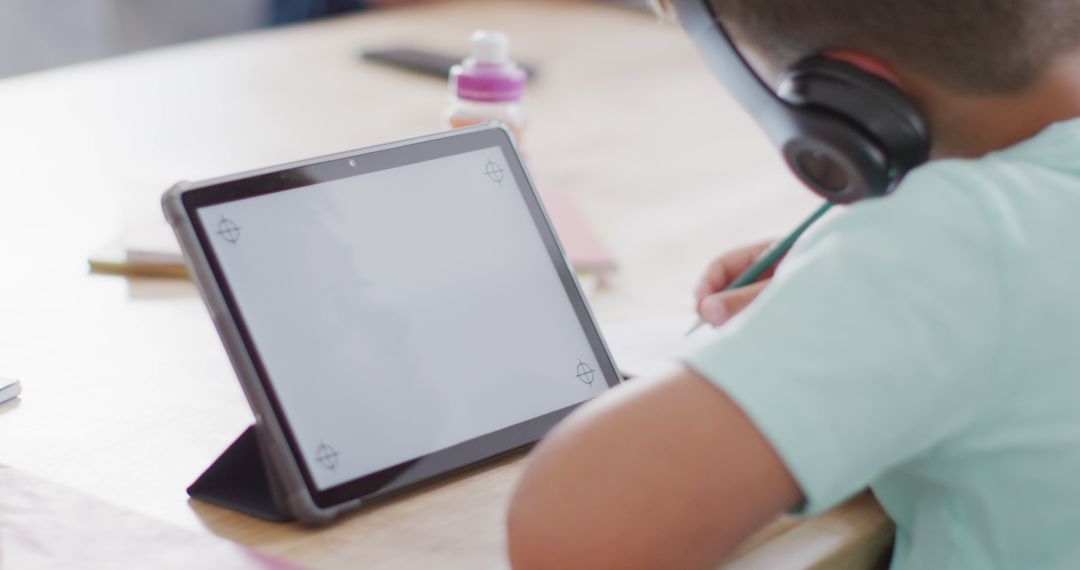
x=240, y=480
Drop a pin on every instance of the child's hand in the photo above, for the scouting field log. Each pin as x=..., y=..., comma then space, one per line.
x=716, y=305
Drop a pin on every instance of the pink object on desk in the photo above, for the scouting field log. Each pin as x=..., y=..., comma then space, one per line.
x=583, y=246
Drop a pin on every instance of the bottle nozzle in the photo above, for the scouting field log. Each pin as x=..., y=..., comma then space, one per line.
x=490, y=47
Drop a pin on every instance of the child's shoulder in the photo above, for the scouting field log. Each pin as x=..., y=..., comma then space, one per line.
x=1014, y=199
x=938, y=207
x=1041, y=170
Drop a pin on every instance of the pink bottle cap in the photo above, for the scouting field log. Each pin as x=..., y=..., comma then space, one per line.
x=489, y=75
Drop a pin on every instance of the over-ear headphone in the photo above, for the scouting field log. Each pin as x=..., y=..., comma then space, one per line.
x=845, y=133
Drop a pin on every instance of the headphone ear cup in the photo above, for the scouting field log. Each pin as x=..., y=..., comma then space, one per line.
x=885, y=118
x=834, y=160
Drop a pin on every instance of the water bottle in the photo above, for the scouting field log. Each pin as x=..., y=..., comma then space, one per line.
x=487, y=85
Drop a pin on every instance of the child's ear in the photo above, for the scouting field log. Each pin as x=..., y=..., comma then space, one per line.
x=871, y=65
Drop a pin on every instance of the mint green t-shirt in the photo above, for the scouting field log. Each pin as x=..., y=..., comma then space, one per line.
x=927, y=344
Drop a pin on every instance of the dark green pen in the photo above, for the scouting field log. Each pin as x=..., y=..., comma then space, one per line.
x=769, y=257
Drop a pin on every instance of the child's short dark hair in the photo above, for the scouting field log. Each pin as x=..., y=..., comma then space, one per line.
x=978, y=46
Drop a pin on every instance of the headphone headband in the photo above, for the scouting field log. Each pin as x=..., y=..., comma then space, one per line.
x=844, y=132
x=729, y=65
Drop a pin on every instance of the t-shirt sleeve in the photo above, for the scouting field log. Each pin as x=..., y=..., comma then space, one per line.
x=874, y=343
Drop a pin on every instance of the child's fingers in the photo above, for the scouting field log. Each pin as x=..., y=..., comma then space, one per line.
x=718, y=308
x=728, y=268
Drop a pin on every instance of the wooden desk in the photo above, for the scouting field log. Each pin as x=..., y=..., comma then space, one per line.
x=128, y=394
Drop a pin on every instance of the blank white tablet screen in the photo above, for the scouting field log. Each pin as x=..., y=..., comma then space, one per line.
x=402, y=311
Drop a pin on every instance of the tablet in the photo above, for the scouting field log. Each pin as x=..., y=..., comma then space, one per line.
x=394, y=314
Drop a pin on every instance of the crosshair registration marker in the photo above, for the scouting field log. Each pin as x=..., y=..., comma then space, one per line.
x=327, y=456
x=585, y=373
x=495, y=172
x=228, y=230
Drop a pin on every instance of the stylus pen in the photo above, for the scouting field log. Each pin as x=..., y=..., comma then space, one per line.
x=769, y=257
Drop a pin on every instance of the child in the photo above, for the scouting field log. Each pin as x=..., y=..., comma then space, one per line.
x=926, y=344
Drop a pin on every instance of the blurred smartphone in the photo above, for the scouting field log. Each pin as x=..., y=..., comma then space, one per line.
x=421, y=61
x=9, y=389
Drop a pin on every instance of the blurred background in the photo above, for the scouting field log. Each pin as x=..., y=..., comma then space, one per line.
x=37, y=35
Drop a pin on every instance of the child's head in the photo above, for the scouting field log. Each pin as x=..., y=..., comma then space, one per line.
x=956, y=58
x=974, y=46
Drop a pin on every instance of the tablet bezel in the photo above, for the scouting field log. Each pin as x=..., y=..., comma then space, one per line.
x=366, y=161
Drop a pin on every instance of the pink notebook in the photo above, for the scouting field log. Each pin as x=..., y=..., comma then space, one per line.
x=586, y=251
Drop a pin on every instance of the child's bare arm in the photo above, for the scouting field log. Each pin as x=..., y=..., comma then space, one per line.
x=657, y=474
